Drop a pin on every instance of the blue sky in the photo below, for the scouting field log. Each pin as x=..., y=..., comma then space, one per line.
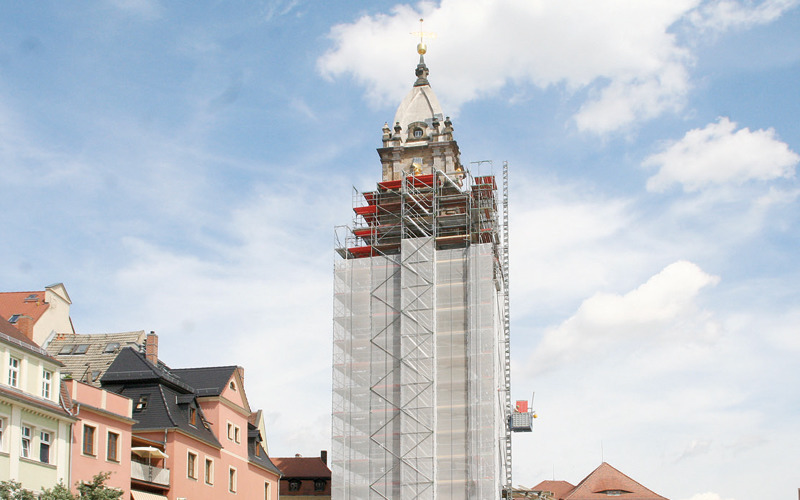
x=180, y=167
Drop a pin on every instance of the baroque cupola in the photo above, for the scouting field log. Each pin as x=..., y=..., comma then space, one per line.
x=420, y=139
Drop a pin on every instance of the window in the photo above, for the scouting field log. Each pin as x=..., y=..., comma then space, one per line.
x=67, y=349
x=209, y=471
x=319, y=485
x=111, y=347
x=88, y=440
x=417, y=133
x=81, y=349
x=294, y=485
x=47, y=383
x=191, y=465
x=14, y=318
x=232, y=480
x=112, y=447
x=192, y=416
x=233, y=433
x=25, y=450
x=232, y=385
x=2, y=433
x=266, y=491
x=44, y=447
x=13, y=371
x=142, y=404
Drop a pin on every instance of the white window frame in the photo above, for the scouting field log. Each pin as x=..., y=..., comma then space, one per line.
x=233, y=479
x=191, y=472
x=26, y=441
x=2, y=433
x=47, y=383
x=94, y=441
x=13, y=371
x=48, y=442
x=208, y=472
x=117, y=448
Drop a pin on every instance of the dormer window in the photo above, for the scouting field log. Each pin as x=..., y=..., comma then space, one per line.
x=418, y=133
x=319, y=485
x=142, y=403
x=111, y=347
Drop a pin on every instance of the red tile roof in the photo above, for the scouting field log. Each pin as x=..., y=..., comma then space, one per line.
x=28, y=303
x=606, y=479
x=560, y=489
x=302, y=467
x=14, y=336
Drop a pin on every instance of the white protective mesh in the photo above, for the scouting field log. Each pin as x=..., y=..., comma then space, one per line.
x=417, y=367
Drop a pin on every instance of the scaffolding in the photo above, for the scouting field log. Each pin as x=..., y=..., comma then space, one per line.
x=421, y=375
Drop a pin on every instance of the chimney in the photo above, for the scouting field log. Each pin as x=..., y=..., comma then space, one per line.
x=324, y=456
x=25, y=325
x=151, y=348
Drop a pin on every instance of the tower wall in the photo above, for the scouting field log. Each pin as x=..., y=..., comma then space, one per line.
x=417, y=365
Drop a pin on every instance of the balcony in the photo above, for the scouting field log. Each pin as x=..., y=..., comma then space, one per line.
x=150, y=474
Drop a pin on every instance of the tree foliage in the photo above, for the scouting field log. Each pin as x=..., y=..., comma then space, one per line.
x=95, y=489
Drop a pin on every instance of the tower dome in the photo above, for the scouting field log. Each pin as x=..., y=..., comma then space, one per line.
x=420, y=104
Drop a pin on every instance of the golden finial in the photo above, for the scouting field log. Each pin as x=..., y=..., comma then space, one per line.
x=421, y=47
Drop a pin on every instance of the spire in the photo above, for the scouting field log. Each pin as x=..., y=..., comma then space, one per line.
x=422, y=70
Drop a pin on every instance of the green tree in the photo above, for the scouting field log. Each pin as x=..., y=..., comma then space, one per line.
x=12, y=490
x=96, y=489
x=57, y=492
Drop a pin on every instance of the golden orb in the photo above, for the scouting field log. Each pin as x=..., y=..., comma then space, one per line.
x=421, y=48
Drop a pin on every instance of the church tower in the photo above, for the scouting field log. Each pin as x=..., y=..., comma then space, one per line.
x=421, y=375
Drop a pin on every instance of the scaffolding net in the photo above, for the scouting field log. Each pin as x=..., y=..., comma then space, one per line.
x=419, y=355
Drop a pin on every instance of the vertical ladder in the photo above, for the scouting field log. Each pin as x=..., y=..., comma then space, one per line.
x=506, y=326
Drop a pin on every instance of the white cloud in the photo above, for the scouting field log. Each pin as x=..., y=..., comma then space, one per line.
x=707, y=496
x=721, y=15
x=484, y=45
x=622, y=51
x=663, y=307
x=720, y=154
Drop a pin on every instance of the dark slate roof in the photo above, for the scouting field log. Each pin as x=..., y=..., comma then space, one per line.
x=207, y=381
x=256, y=452
x=10, y=334
x=160, y=399
x=131, y=367
x=91, y=364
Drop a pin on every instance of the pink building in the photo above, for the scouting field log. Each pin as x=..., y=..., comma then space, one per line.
x=101, y=439
x=192, y=431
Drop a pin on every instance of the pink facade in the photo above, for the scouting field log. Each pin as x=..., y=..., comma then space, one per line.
x=200, y=469
x=101, y=439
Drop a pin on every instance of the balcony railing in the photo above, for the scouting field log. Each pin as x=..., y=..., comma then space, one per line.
x=150, y=473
